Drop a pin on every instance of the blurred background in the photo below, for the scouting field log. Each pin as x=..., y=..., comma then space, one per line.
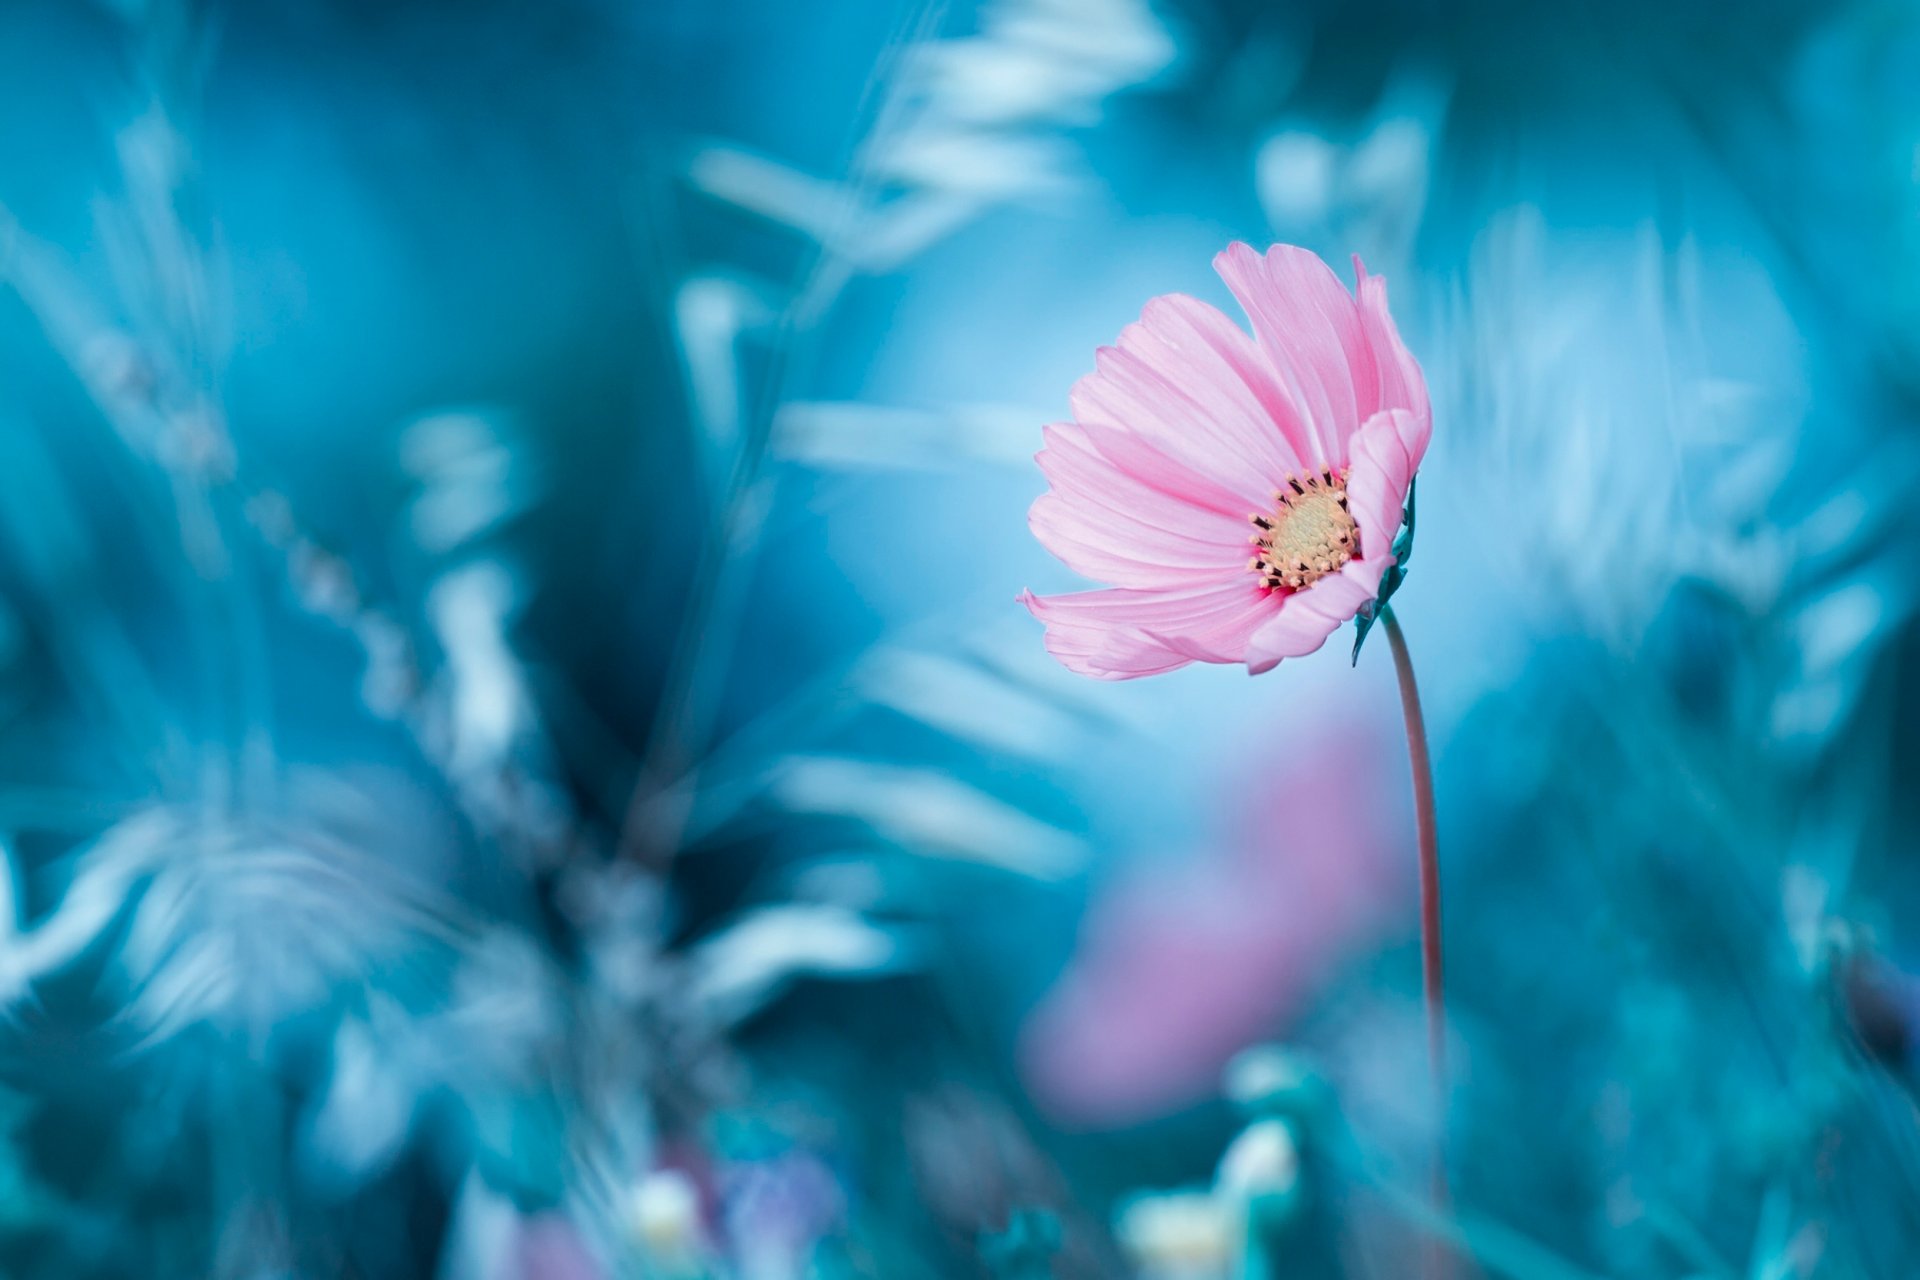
x=519, y=759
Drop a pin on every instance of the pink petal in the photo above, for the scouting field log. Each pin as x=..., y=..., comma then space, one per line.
x=1385, y=454
x=1366, y=572
x=1307, y=618
x=1187, y=380
x=1118, y=634
x=1110, y=524
x=1201, y=649
x=1309, y=329
x=1139, y=482
x=1104, y=546
x=1148, y=464
x=1400, y=384
x=1251, y=403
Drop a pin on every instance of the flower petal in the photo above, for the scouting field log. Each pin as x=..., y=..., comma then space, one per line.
x=1295, y=632
x=1151, y=466
x=1308, y=617
x=1106, y=545
x=1119, y=634
x=1149, y=494
x=1366, y=573
x=1186, y=379
x=1384, y=456
x=1309, y=329
x=1399, y=384
x=1111, y=524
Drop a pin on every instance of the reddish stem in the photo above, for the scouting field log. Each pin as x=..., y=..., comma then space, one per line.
x=1430, y=957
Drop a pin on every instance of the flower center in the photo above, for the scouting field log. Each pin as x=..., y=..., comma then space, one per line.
x=1307, y=535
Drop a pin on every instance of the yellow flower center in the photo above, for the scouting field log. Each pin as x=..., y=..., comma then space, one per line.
x=1307, y=535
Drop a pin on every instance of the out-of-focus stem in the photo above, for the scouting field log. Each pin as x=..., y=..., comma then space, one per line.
x=1430, y=951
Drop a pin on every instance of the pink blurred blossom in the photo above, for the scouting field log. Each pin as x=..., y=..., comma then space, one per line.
x=1192, y=440
x=548, y=1247
x=1180, y=969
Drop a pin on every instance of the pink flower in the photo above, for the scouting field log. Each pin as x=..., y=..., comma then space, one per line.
x=1180, y=968
x=1191, y=441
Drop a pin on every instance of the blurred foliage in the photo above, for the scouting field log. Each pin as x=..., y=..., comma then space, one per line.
x=517, y=758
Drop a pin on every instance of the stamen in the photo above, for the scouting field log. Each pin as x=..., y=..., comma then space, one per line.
x=1309, y=533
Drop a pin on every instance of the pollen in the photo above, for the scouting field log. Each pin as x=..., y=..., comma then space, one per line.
x=1308, y=533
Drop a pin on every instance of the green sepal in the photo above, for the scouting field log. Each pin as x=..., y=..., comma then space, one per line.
x=1390, y=581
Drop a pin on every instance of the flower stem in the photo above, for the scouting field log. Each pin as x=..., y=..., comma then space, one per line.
x=1430, y=954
